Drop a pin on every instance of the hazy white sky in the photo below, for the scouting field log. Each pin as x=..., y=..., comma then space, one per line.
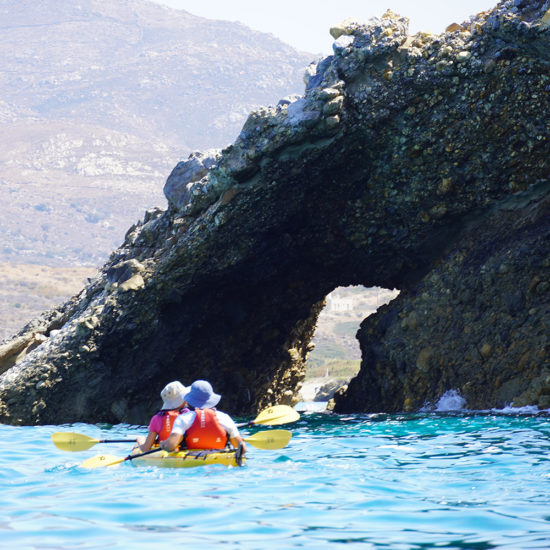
x=304, y=24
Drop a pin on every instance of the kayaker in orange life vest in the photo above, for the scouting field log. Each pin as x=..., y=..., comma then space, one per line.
x=204, y=427
x=160, y=426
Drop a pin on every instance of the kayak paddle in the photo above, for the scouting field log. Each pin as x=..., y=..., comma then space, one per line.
x=110, y=460
x=268, y=440
x=273, y=416
x=72, y=441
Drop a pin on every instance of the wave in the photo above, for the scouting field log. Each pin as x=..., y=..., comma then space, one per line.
x=450, y=401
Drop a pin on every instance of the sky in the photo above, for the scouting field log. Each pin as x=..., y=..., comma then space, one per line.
x=305, y=24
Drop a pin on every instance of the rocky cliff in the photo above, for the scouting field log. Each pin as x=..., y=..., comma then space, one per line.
x=415, y=162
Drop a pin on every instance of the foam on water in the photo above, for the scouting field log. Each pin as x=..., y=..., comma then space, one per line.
x=450, y=401
x=453, y=480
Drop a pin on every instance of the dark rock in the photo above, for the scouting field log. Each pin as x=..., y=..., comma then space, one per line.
x=327, y=391
x=492, y=348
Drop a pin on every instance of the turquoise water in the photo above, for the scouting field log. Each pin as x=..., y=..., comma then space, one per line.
x=411, y=481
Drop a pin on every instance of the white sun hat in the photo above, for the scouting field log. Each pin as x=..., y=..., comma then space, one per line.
x=173, y=395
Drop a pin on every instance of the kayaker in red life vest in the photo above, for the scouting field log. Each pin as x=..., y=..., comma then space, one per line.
x=160, y=427
x=204, y=427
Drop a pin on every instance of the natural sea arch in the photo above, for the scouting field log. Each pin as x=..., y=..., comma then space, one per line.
x=418, y=163
x=336, y=355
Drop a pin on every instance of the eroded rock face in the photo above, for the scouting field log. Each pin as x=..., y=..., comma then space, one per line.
x=376, y=176
x=477, y=323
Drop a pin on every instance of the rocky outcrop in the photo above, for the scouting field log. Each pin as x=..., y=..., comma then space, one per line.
x=419, y=163
x=477, y=323
x=327, y=391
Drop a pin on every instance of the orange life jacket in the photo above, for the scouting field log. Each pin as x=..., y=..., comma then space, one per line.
x=169, y=417
x=206, y=432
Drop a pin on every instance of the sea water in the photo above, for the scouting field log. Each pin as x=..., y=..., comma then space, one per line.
x=450, y=480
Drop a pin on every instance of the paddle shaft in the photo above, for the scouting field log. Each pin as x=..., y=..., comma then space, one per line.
x=107, y=460
x=254, y=423
x=68, y=441
x=245, y=424
x=131, y=457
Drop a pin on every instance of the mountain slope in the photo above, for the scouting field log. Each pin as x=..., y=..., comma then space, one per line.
x=100, y=99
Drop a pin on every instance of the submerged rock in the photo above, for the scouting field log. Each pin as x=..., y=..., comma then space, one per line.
x=412, y=162
x=327, y=391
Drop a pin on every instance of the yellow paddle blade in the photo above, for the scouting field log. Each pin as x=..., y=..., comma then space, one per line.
x=278, y=414
x=110, y=460
x=270, y=439
x=101, y=460
x=71, y=441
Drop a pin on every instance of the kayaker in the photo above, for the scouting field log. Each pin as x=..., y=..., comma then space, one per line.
x=160, y=426
x=203, y=427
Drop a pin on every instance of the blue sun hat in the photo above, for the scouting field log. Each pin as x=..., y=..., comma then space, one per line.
x=202, y=396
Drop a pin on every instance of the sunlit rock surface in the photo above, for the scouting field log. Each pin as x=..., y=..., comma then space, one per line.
x=418, y=163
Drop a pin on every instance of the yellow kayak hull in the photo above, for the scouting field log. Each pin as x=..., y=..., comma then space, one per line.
x=189, y=459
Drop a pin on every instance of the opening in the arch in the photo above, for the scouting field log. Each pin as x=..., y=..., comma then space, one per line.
x=336, y=356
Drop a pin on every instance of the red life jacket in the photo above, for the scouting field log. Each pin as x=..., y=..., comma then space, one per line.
x=206, y=432
x=169, y=417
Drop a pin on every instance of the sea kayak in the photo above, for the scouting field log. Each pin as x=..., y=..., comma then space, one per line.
x=190, y=458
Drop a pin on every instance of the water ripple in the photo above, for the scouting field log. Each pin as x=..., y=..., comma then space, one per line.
x=411, y=481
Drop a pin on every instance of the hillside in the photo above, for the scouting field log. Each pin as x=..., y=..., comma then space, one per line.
x=100, y=99
x=27, y=290
x=338, y=323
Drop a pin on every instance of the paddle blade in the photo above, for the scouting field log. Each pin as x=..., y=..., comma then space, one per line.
x=270, y=440
x=110, y=460
x=278, y=414
x=71, y=441
x=101, y=460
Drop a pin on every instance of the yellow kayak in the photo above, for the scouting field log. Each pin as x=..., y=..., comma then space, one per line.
x=190, y=458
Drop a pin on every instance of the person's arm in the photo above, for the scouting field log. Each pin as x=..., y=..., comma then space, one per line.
x=148, y=443
x=231, y=428
x=173, y=441
x=235, y=441
x=145, y=443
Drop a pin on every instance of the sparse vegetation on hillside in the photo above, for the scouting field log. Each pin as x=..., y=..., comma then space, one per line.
x=28, y=290
x=336, y=349
x=101, y=99
x=335, y=368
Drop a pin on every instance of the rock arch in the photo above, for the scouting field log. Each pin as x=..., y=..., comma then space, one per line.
x=393, y=170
